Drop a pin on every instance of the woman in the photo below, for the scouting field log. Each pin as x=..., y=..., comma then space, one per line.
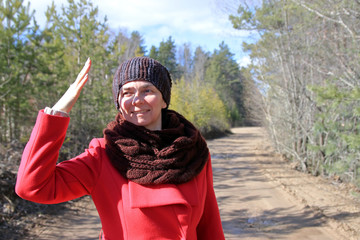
x=150, y=177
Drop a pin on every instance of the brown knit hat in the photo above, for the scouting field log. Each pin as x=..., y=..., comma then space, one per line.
x=142, y=68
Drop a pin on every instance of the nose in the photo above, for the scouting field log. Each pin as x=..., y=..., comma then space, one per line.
x=137, y=99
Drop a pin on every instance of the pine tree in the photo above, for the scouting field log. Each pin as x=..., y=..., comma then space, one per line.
x=166, y=54
x=224, y=75
x=16, y=67
x=154, y=53
x=85, y=36
x=185, y=61
x=200, y=64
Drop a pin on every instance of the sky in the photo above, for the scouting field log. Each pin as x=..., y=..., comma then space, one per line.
x=201, y=23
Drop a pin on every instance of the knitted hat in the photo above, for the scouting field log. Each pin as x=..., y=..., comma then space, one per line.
x=142, y=68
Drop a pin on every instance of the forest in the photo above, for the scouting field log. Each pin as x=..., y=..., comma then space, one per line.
x=302, y=86
x=37, y=66
x=306, y=65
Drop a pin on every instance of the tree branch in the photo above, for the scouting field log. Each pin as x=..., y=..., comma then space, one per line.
x=340, y=21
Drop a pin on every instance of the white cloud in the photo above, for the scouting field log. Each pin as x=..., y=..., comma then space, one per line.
x=244, y=61
x=180, y=16
x=142, y=13
x=195, y=21
x=185, y=15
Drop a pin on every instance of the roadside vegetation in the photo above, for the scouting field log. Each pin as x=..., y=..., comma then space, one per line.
x=306, y=63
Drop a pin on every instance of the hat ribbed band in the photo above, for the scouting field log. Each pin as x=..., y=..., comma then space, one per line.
x=142, y=68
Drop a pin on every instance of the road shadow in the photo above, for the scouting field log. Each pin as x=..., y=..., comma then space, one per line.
x=275, y=222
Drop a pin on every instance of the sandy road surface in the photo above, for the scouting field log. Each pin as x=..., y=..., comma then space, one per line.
x=259, y=197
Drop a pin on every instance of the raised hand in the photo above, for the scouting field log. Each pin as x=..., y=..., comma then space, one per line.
x=68, y=100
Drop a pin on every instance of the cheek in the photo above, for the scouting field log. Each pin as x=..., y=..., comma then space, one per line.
x=124, y=104
x=155, y=101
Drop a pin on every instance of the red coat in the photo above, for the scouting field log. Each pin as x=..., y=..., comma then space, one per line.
x=127, y=210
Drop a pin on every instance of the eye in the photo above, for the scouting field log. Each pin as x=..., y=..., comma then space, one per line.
x=126, y=93
x=148, y=90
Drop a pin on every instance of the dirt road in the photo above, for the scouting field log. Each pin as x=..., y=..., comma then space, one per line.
x=259, y=196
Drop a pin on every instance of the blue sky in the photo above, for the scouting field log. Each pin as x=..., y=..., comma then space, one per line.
x=199, y=22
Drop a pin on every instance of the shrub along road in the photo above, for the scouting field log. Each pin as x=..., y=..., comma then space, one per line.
x=260, y=197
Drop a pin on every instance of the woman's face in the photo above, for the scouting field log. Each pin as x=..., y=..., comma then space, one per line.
x=141, y=103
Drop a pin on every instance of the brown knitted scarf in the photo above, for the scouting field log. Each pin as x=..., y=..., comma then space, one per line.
x=174, y=155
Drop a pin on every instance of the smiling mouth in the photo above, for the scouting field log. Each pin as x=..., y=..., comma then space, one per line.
x=140, y=112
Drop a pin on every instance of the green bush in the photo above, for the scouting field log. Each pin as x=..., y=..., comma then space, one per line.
x=201, y=105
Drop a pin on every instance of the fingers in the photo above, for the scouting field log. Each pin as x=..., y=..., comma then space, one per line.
x=83, y=75
x=67, y=101
x=84, y=80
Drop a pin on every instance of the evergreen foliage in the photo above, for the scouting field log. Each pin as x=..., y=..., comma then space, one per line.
x=224, y=75
x=37, y=66
x=17, y=64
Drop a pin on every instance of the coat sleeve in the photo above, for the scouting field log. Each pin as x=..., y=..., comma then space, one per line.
x=40, y=179
x=210, y=226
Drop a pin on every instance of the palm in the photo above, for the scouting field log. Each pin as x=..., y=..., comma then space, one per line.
x=68, y=100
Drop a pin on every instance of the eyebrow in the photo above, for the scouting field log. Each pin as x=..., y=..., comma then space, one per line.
x=147, y=85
